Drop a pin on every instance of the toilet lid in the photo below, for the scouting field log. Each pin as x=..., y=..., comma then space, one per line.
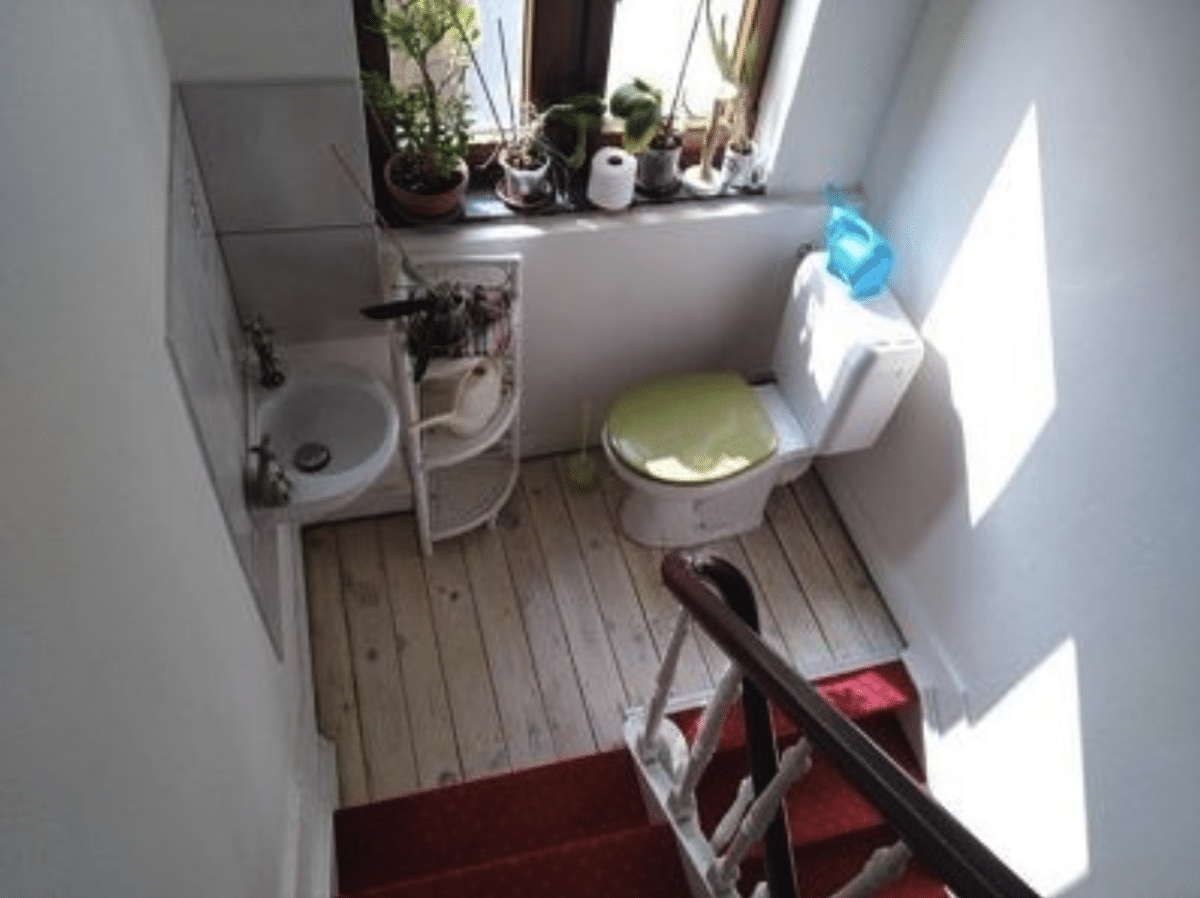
x=691, y=428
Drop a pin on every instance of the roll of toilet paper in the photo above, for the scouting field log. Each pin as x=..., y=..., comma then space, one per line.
x=611, y=183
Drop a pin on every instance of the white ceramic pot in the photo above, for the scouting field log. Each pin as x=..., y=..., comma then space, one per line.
x=522, y=184
x=737, y=169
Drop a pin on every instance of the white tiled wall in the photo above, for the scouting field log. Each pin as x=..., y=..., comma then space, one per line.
x=267, y=152
x=205, y=338
x=298, y=237
x=307, y=284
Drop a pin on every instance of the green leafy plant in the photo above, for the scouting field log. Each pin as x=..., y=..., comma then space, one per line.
x=639, y=105
x=432, y=117
x=549, y=133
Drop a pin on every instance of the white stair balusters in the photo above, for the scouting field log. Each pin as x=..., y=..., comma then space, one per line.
x=683, y=797
x=883, y=867
x=733, y=816
x=793, y=764
x=649, y=746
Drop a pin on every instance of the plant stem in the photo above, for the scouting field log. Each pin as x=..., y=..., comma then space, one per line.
x=431, y=101
x=479, y=71
x=687, y=55
x=512, y=110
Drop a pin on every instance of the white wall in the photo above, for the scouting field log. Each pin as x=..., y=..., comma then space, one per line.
x=148, y=731
x=1033, y=513
x=833, y=71
x=613, y=299
x=258, y=40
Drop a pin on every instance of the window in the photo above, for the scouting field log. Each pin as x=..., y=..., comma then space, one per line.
x=651, y=39
x=558, y=48
x=596, y=45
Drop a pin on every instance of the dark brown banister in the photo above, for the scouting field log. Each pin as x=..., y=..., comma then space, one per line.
x=760, y=735
x=934, y=835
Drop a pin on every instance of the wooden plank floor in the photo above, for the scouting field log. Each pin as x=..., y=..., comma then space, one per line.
x=515, y=646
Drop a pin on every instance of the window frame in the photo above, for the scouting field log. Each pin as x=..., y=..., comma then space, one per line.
x=557, y=67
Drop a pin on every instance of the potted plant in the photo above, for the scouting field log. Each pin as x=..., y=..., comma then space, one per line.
x=735, y=112
x=649, y=135
x=703, y=179
x=557, y=135
x=525, y=163
x=730, y=117
x=647, y=132
x=427, y=174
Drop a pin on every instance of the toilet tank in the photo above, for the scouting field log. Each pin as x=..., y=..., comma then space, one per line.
x=842, y=364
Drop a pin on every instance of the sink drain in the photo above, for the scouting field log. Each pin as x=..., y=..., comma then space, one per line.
x=311, y=457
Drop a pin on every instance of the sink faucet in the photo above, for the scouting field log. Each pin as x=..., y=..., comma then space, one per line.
x=270, y=370
x=269, y=486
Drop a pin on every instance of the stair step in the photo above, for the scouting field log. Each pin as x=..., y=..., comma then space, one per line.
x=580, y=828
x=883, y=689
x=640, y=862
x=822, y=805
x=823, y=869
x=474, y=823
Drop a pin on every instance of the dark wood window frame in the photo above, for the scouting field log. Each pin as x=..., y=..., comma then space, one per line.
x=570, y=39
x=568, y=53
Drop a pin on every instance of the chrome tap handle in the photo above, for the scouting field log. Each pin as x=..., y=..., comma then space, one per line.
x=270, y=486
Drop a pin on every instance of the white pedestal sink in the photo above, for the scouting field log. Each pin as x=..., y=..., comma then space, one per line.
x=333, y=429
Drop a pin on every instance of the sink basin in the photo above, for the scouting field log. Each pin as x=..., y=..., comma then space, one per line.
x=334, y=429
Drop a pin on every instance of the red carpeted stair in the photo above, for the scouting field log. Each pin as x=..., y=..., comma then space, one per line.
x=579, y=828
x=833, y=829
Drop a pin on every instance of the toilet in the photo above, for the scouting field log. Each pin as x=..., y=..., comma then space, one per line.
x=701, y=452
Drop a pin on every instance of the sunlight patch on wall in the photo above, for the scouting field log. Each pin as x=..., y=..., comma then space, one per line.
x=1016, y=777
x=990, y=321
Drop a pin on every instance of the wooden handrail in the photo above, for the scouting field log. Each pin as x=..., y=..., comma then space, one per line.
x=933, y=834
x=761, y=752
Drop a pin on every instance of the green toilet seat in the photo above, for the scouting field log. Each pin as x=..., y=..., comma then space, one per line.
x=691, y=428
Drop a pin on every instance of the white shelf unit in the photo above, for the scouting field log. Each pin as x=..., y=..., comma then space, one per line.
x=462, y=482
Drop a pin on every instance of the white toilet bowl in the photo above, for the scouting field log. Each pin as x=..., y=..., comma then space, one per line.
x=658, y=512
x=702, y=452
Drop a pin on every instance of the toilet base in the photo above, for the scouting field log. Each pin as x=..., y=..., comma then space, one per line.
x=680, y=521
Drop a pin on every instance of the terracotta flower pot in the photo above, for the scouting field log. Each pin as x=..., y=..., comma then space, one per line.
x=427, y=206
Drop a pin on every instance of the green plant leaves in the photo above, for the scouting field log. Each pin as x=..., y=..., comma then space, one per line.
x=432, y=119
x=577, y=113
x=640, y=105
x=637, y=94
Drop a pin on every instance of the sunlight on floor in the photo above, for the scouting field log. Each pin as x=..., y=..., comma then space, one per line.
x=993, y=325
x=1016, y=777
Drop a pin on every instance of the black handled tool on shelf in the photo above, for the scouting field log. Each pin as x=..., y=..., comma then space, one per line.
x=398, y=308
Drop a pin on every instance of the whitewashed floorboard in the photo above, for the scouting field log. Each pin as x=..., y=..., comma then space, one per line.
x=517, y=646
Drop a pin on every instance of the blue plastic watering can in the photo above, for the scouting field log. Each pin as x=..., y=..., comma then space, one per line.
x=858, y=254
